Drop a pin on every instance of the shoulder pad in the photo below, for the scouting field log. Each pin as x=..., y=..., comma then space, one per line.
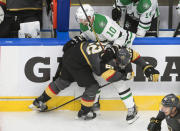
x=83, y=28
x=143, y=6
x=126, y=2
x=99, y=23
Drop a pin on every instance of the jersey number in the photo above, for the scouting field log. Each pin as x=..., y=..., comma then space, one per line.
x=148, y=14
x=111, y=31
x=93, y=49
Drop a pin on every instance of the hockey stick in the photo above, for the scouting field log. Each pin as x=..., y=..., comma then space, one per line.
x=71, y=100
x=177, y=30
x=97, y=38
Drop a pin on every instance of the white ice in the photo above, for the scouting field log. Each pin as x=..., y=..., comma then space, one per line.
x=65, y=121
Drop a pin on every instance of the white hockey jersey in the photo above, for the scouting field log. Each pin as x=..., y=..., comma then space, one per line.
x=107, y=29
x=142, y=11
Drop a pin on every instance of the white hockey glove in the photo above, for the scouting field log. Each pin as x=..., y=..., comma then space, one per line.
x=1, y=15
x=140, y=32
x=178, y=9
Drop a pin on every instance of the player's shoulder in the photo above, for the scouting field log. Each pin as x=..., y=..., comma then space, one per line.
x=100, y=23
x=143, y=6
x=126, y=2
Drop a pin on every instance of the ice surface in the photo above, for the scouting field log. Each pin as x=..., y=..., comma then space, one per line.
x=65, y=121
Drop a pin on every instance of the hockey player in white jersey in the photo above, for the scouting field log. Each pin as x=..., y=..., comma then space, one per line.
x=105, y=28
x=141, y=16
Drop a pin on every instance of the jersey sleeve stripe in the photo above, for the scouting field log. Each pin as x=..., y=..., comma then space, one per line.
x=108, y=74
x=147, y=28
x=145, y=23
x=86, y=58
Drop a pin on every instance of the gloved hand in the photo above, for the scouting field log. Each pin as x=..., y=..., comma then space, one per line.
x=151, y=73
x=178, y=9
x=108, y=54
x=1, y=15
x=154, y=125
x=73, y=42
x=116, y=13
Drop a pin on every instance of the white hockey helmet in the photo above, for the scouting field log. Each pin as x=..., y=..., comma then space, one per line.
x=80, y=13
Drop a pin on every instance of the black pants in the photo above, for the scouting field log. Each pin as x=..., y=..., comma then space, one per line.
x=75, y=68
x=131, y=25
x=10, y=26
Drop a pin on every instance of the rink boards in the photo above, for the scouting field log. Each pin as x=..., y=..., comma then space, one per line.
x=26, y=70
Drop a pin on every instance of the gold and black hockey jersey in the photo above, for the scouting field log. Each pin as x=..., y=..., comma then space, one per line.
x=109, y=71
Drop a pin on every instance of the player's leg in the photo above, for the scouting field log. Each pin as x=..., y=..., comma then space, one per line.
x=87, y=102
x=51, y=91
x=96, y=105
x=85, y=78
x=127, y=98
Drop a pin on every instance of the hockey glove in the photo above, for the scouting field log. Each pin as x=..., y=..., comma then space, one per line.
x=1, y=14
x=73, y=42
x=108, y=54
x=116, y=14
x=151, y=73
x=154, y=125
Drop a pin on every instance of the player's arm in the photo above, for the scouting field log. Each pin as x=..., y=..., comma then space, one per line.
x=113, y=32
x=150, y=72
x=72, y=42
x=110, y=74
x=109, y=70
x=144, y=8
x=155, y=123
x=116, y=11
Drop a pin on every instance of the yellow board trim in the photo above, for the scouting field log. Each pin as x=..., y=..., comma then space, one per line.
x=75, y=4
x=142, y=102
x=20, y=9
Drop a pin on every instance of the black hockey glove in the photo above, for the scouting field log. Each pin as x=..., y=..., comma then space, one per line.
x=116, y=14
x=108, y=54
x=73, y=42
x=154, y=125
x=151, y=73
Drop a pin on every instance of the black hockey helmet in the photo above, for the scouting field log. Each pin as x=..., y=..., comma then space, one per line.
x=123, y=57
x=170, y=100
